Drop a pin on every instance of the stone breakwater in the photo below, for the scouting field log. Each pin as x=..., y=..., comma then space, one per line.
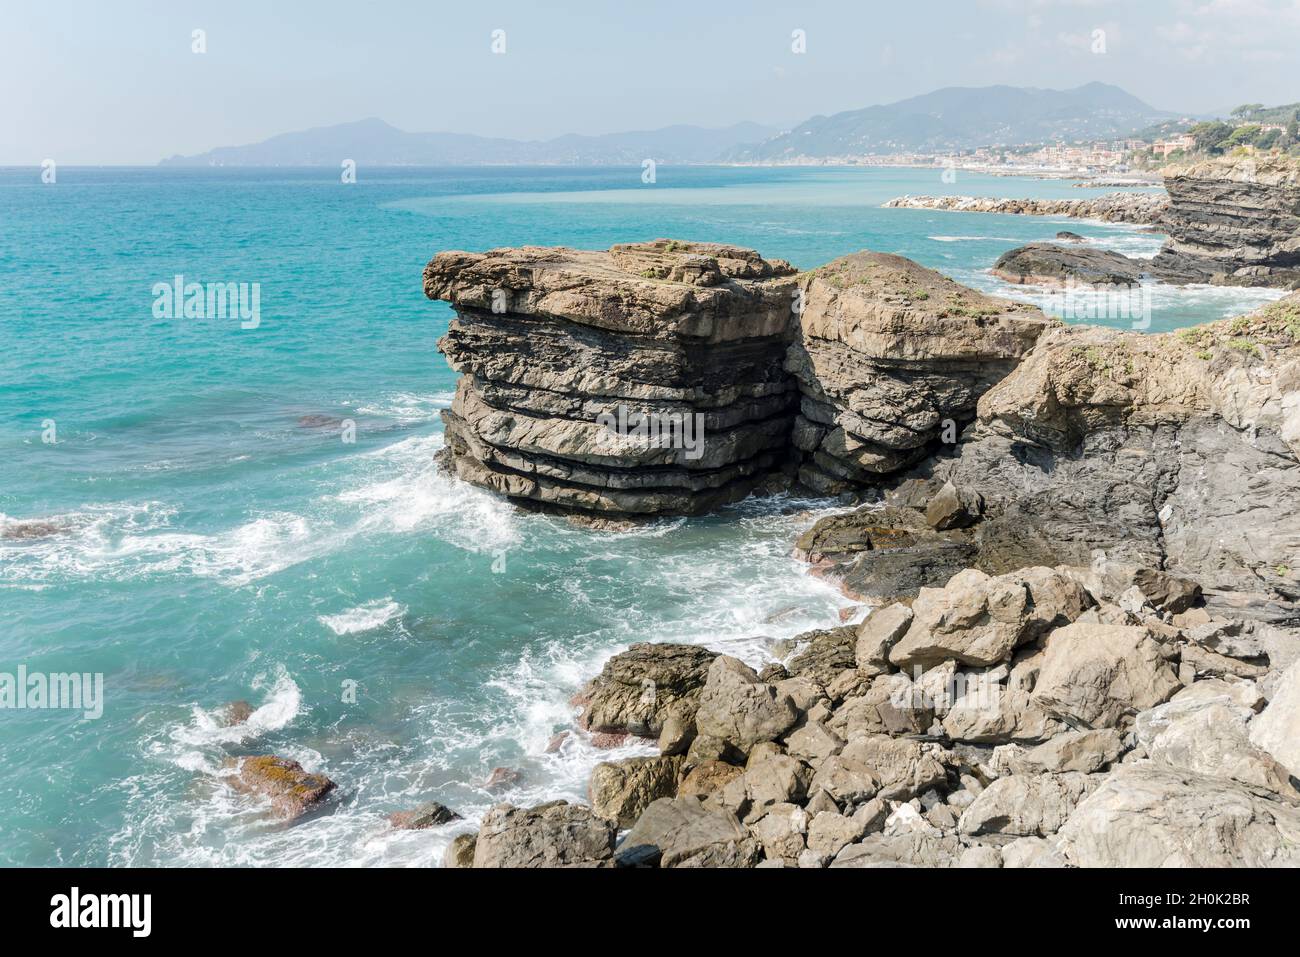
x=1084, y=641
x=1143, y=209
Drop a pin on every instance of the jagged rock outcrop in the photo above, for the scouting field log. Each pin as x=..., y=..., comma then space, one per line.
x=643, y=380
x=1230, y=221
x=666, y=377
x=1174, y=451
x=1142, y=208
x=1233, y=220
x=888, y=355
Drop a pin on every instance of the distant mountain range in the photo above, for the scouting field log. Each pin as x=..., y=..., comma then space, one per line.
x=373, y=142
x=953, y=118
x=964, y=118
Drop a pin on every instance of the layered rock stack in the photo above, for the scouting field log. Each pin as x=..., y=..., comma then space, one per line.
x=643, y=380
x=889, y=357
x=1234, y=220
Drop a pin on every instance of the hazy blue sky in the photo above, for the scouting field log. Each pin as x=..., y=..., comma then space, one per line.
x=92, y=82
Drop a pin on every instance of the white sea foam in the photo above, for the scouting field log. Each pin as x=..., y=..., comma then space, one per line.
x=371, y=615
x=975, y=239
x=393, y=490
x=408, y=407
x=281, y=704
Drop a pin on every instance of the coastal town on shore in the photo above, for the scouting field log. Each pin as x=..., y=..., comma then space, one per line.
x=1133, y=160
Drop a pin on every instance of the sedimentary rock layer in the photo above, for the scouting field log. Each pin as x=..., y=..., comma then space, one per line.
x=646, y=379
x=1144, y=209
x=1233, y=221
x=888, y=355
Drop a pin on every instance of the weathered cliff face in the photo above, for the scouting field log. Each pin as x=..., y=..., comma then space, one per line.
x=888, y=355
x=852, y=372
x=1178, y=451
x=1233, y=221
x=643, y=380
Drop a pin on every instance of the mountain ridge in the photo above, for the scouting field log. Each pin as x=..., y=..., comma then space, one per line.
x=950, y=118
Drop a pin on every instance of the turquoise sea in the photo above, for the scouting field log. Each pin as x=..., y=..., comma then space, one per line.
x=218, y=540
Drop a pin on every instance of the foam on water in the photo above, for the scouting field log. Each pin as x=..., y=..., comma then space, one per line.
x=365, y=617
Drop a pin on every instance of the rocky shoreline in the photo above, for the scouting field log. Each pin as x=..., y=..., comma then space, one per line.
x=1234, y=221
x=1079, y=546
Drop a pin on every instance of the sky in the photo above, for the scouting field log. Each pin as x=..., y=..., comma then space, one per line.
x=119, y=82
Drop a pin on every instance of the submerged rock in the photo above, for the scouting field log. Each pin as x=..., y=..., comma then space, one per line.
x=292, y=791
x=426, y=815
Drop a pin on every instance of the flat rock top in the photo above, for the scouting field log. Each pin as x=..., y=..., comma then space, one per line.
x=641, y=288
x=888, y=306
x=1265, y=170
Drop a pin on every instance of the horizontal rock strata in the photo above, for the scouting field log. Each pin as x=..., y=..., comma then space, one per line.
x=643, y=380
x=1234, y=220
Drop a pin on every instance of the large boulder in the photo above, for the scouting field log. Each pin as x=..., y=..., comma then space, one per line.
x=738, y=708
x=904, y=767
x=621, y=790
x=291, y=790
x=640, y=689
x=1082, y=751
x=1277, y=729
x=913, y=849
x=1026, y=805
x=1095, y=676
x=978, y=619
x=1211, y=737
x=682, y=832
x=558, y=834
x=1148, y=815
x=882, y=630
